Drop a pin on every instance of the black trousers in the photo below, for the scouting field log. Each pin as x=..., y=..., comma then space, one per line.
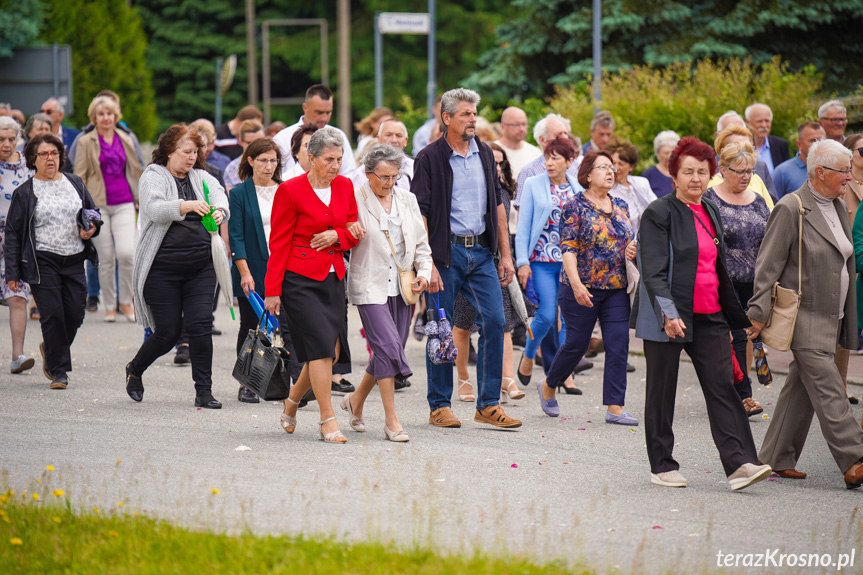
x=181, y=296
x=711, y=356
x=61, y=296
x=249, y=320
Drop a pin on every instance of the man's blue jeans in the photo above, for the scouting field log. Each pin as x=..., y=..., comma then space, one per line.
x=472, y=271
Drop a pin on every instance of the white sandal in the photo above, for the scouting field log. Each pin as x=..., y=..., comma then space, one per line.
x=289, y=420
x=467, y=397
x=506, y=393
x=357, y=423
x=332, y=437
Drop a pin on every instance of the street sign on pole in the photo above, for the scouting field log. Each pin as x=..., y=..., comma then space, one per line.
x=404, y=23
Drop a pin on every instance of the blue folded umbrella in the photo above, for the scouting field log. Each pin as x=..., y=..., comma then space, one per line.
x=258, y=305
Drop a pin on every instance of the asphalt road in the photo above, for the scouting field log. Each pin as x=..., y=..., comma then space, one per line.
x=573, y=489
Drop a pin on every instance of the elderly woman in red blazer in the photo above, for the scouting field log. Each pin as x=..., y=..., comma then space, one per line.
x=314, y=220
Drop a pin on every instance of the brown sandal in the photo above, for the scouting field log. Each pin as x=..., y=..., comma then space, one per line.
x=752, y=407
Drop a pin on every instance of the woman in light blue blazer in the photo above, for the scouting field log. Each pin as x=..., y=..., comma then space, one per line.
x=537, y=241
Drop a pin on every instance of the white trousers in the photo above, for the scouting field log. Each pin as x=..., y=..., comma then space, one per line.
x=117, y=240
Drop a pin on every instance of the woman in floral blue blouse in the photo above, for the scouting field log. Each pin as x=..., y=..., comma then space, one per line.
x=596, y=238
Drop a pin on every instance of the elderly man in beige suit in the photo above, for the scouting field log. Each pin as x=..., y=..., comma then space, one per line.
x=827, y=315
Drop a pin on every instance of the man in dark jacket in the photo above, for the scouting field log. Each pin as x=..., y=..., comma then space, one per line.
x=459, y=194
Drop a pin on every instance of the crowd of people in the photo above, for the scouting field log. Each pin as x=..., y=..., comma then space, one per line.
x=689, y=255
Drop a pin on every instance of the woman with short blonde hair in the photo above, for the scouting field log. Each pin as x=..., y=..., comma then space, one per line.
x=744, y=218
x=107, y=162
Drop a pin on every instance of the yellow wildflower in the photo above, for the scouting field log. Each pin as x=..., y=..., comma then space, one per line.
x=113, y=534
x=214, y=491
x=119, y=504
x=50, y=468
x=56, y=520
x=16, y=541
x=36, y=496
x=59, y=493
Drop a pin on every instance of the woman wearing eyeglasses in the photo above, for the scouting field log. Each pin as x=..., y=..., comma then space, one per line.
x=538, y=243
x=596, y=239
x=744, y=218
x=251, y=203
x=46, y=247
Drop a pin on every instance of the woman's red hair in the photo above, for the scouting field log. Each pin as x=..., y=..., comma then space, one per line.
x=691, y=146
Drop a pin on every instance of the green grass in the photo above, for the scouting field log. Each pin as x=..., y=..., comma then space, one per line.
x=46, y=536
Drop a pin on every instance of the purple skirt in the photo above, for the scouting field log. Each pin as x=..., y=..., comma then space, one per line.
x=387, y=327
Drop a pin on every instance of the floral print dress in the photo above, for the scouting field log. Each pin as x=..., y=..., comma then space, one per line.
x=12, y=175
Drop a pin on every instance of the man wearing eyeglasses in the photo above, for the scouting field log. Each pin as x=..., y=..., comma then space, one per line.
x=56, y=111
x=833, y=117
x=514, y=125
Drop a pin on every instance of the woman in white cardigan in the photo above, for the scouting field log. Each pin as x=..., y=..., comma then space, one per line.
x=373, y=280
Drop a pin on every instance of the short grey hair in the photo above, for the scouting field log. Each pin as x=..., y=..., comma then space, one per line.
x=665, y=138
x=382, y=153
x=720, y=123
x=835, y=105
x=387, y=121
x=10, y=123
x=31, y=123
x=61, y=108
x=326, y=137
x=540, y=130
x=602, y=118
x=825, y=153
x=450, y=100
x=748, y=111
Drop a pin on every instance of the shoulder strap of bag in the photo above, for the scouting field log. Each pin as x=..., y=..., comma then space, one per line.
x=799, y=245
x=393, y=250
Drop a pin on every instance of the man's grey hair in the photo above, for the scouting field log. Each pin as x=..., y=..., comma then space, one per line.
x=450, y=100
x=61, y=108
x=720, y=123
x=602, y=118
x=387, y=121
x=10, y=123
x=665, y=138
x=326, y=137
x=382, y=154
x=5, y=106
x=825, y=153
x=747, y=113
x=540, y=130
x=834, y=105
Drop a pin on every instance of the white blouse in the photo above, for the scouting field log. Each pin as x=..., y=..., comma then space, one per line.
x=55, y=219
x=394, y=227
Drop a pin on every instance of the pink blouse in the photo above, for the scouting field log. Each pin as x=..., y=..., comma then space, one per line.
x=706, y=296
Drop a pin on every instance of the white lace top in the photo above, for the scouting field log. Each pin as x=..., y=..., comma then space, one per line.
x=54, y=221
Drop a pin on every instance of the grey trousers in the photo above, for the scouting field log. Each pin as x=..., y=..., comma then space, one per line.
x=814, y=386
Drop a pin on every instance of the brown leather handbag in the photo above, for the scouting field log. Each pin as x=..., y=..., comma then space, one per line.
x=785, y=303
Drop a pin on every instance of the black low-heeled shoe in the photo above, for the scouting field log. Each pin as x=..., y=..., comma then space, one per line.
x=246, y=395
x=569, y=390
x=134, y=384
x=524, y=379
x=207, y=402
x=853, y=400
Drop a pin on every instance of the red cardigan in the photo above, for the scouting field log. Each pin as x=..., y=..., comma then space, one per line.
x=298, y=214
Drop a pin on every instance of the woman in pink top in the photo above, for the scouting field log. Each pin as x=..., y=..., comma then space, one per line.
x=686, y=301
x=107, y=163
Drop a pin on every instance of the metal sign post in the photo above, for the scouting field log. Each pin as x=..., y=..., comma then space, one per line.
x=400, y=23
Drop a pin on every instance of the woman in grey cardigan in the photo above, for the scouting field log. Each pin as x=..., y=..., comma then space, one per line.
x=174, y=278
x=827, y=314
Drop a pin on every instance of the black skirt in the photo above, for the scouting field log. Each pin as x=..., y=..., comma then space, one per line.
x=317, y=316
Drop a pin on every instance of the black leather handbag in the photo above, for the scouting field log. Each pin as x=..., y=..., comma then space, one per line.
x=262, y=366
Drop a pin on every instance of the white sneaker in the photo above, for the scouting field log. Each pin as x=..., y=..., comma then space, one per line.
x=23, y=363
x=668, y=479
x=747, y=474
